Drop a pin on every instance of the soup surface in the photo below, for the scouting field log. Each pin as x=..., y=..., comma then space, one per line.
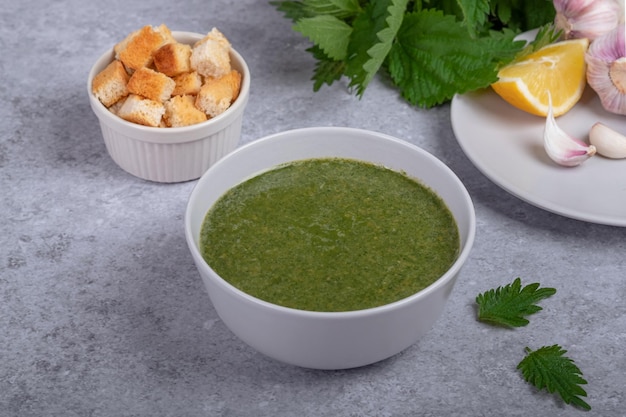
x=330, y=234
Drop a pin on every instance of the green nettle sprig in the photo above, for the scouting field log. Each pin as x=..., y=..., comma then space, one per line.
x=430, y=49
x=546, y=367
x=509, y=305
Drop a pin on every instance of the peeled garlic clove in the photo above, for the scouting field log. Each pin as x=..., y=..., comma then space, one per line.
x=607, y=141
x=561, y=147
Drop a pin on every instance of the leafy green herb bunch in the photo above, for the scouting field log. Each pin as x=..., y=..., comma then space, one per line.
x=430, y=49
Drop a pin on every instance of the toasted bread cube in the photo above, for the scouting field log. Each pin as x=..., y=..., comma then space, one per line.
x=187, y=83
x=136, y=50
x=181, y=111
x=234, y=79
x=217, y=94
x=110, y=84
x=151, y=84
x=142, y=110
x=115, y=108
x=210, y=56
x=172, y=59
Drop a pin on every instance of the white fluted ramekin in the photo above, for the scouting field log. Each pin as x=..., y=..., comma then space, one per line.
x=173, y=154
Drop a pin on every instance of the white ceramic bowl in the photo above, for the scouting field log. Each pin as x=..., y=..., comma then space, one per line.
x=329, y=340
x=171, y=154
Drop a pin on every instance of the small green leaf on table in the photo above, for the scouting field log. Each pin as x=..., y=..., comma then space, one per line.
x=509, y=305
x=548, y=368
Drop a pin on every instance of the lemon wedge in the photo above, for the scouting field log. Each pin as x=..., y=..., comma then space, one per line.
x=558, y=68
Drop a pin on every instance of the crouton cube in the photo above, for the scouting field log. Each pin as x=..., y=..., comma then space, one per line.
x=115, y=108
x=151, y=84
x=141, y=110
x=172, y=59
x=217, y=94
x=210, y=56
x=181, y=111
x=187, y=83
x=234, y=79
x=136, y=50
x=110, y=84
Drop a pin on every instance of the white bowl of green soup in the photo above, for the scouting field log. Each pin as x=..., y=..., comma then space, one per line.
x=329, y=248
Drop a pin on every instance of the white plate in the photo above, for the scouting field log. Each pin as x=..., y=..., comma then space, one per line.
x=506, y=145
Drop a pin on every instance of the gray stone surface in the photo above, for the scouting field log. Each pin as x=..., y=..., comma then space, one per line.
x=102, y=312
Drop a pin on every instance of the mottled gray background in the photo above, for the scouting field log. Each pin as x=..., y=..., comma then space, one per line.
x=102, y=312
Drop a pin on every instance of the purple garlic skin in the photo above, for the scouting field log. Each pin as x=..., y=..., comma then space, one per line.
x=562, y=148
x=586, y=18
x=606, y=69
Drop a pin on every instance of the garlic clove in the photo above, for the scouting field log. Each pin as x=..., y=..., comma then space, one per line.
x=561, y=147
x=606, y=69
x=607, y=141
x=586, y=18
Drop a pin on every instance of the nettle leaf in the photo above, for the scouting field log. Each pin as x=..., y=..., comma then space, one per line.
x=373, y=36
x=433, y=58
x=502, y=9
x=292, y=10
x=522, y=15
x=502, y=47
x=510, y=304
x=546, y=35
x=475, y=14
x=327, y=71
x=330, y=33
x=548, y=368
x=536, y=13
x=364, y=34
x=379, y=51
x=338, y=8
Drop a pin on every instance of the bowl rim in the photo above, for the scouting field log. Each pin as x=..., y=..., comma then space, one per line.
x=170, y=134
x=449, y=275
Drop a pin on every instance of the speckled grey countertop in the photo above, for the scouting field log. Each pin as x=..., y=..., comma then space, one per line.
x=103, y=313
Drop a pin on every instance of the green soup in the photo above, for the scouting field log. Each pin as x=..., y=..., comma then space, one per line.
x=330, y=234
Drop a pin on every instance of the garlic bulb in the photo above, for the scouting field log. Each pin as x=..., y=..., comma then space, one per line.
x=607, y=141
x=606, y=69
x=586, y=18
x=561, y=147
